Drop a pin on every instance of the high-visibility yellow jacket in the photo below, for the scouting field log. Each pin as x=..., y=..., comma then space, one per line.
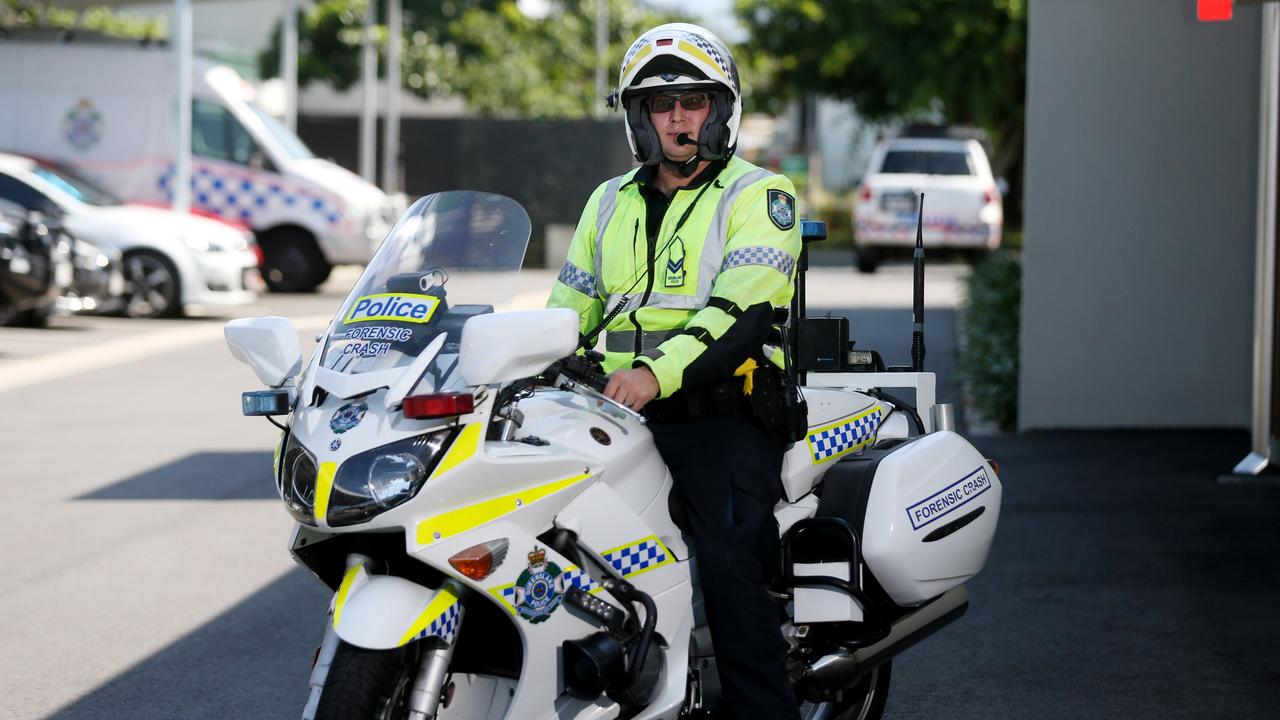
x=697, y=296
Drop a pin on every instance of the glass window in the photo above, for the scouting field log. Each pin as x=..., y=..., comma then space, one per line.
x=216, y=134
x=74, y=184
x=291, y=143
x=15, y=190
x=926, y=163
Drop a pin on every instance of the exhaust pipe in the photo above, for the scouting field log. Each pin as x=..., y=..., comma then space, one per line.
x=842, y=668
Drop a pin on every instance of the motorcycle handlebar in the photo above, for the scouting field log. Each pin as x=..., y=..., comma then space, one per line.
x=585, y=370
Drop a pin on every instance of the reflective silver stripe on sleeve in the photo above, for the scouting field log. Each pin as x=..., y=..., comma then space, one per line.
x=773, y=257
x=625, y=340
x=578, y=279
x=718, y=233
x=604, y=213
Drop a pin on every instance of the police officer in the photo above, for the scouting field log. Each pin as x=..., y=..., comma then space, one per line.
x=681, y=263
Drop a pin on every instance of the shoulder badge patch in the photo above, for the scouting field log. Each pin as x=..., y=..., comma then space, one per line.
x=782, y=209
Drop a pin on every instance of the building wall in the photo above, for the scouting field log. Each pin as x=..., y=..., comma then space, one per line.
x=1141, y=175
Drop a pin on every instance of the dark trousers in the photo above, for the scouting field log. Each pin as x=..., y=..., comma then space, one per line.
x=727, y=481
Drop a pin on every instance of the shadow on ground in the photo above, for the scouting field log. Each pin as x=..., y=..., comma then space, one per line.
x=251, y=662
x=200, y=476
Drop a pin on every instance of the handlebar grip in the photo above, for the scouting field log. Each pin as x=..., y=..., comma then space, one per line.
x=595, y=381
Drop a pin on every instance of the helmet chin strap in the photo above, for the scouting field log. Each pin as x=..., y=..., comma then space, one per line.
x=686, y=168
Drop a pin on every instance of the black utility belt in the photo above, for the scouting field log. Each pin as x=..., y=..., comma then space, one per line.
x=710, y=401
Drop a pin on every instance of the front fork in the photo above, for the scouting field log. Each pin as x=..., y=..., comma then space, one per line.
x=428, y=687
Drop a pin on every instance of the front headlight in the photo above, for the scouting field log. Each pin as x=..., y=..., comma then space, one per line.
x=296, y=482
x=377, y=480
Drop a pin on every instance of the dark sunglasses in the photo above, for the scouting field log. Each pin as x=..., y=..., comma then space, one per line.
x=689, y=101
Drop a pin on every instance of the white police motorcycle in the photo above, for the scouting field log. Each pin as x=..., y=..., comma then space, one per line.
x=496, y=532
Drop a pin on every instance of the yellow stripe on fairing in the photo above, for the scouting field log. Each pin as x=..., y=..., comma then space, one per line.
x=463, y=447
x=275, y=458
x=343, y=590
x=697, y=52
x=463, y=519
x=640, y=55
x=443, y=600
x=324, y=486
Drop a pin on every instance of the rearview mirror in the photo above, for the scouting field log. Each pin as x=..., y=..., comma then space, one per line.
x=498, y=347
x=269, y=345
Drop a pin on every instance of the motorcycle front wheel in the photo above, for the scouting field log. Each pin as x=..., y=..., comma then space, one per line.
x=864, y=700
x=368, y=684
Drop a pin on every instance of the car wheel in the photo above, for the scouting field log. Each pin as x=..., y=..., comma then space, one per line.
x=868, y=260
x=152, y=288
x=33, y=318
x=291, y=262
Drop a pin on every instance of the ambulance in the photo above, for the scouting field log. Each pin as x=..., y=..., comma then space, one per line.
x=107, y=108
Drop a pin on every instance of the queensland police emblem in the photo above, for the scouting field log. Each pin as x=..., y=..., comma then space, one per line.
x=82, y=125
x=540, y=588
x=347, y=417
x=782, y=209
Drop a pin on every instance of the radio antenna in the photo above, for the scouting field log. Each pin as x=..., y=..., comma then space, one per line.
x=917, y=304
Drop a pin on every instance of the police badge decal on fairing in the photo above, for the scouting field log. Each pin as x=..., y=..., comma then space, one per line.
x=540, y=588
x=782, y=209
x=347, y=417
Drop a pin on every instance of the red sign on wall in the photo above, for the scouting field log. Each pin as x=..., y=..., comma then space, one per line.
x=1213, y=10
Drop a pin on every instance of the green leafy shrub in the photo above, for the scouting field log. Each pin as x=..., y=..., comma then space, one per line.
x=989, y=338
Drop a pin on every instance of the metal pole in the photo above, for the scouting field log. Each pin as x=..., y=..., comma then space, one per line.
x=391, y=133
x=369, y=113
x=1264, y=274
x=602, y=51
x=289, y=64
x=182, y=159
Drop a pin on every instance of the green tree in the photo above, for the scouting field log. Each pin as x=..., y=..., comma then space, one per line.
x=898, y=59
x=504, y=63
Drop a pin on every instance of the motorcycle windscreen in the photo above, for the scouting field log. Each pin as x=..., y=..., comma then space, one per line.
x=450, y=257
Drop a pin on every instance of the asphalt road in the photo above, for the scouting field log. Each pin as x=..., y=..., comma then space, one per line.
x=147, y=575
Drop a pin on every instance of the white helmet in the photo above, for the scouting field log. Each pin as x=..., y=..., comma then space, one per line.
x=676, y=57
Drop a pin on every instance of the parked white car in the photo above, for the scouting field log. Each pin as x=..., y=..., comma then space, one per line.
x=172, y=262
x=963, y=207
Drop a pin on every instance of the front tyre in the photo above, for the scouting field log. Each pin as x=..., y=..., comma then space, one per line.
x=368, y=684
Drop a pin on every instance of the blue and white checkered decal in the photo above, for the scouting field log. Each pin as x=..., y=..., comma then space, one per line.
x=644, y=555
x=244, y=197
x=845, y=435
x=779, y=260
x=444, y=627
x=578, y=279
x=632, y=559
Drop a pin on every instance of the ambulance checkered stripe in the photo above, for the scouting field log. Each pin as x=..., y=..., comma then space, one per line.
x=833, y=441
x=779, y=260
x=244, y=198
x=444, y=627
x=578, y=279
